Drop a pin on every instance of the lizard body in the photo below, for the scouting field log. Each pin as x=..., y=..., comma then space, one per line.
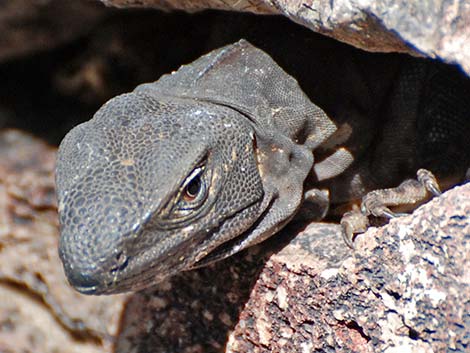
x=216, y=157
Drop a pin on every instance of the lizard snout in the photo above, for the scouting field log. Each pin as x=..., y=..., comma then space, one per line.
x=92, y=277
x=86, y=283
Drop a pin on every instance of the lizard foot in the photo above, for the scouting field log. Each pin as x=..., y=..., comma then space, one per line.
x=377, y=203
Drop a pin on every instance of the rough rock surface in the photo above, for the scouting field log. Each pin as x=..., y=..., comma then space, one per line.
x=405, y=288
x=39, y=311
x=437, y=28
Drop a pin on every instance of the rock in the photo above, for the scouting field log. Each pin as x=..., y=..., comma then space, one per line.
x=39, y=311
x=405, y=288
x=437, y=29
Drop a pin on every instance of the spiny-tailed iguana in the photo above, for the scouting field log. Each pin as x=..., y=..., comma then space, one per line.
x=219, y=155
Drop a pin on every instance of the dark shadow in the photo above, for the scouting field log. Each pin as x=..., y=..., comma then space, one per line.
x=198, y=308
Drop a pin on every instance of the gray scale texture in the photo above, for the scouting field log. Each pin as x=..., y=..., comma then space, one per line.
x=240, y=122
x=128, y=165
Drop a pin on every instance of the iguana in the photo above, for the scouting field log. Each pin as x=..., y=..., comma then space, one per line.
x=220, y=155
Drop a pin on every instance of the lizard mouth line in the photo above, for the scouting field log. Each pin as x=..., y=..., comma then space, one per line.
x=226, y=249
x=142, y=279
x=87, y=290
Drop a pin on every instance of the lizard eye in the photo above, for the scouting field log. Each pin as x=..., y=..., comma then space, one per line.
x=192, y=189
x=192, y=194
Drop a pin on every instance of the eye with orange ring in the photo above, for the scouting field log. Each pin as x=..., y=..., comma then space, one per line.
x=193, y=191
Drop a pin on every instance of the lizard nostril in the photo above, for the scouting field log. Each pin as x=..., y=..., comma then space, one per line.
x=121, y=262
x=291, y=156
x=255, y=143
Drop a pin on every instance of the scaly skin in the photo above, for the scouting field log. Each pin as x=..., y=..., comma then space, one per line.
x=163, y=177
x=217, y=157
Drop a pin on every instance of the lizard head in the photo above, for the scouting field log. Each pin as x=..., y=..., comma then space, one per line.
x=146, y=184
x=184, y=171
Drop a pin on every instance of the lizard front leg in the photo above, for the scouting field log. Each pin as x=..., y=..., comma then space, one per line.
x=378, y=202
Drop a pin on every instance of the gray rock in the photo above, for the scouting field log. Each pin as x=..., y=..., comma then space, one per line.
x=405, y=288
x=436, y=29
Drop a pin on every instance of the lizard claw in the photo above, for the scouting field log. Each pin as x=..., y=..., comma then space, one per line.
x=347, y=235
x=353, y=222
x=377, y=202
x=373, y=204
x=428, y=180
x=390, y=214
